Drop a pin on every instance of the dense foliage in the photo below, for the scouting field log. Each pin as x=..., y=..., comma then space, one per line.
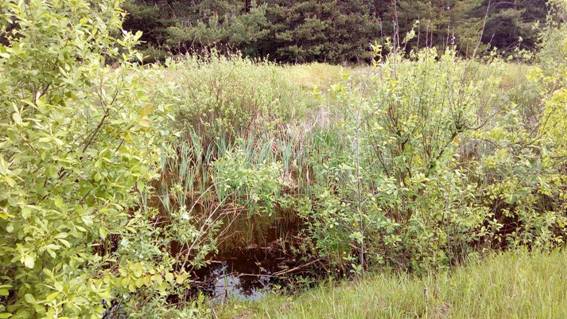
x=117, y=181
x=332, y=31
x=76, y=149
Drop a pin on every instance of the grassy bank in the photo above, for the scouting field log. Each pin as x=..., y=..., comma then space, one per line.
x=510, y=285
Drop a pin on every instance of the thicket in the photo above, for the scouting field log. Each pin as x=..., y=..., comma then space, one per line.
x=416, y=164
x=116, y=183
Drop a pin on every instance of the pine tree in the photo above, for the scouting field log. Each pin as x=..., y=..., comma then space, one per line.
x=511, y=23
x=333, y=31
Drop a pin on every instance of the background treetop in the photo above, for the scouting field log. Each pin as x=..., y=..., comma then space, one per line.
x=335, y=31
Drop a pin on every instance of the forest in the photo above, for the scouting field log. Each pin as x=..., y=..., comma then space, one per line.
x=283, y=159
x=333, y=31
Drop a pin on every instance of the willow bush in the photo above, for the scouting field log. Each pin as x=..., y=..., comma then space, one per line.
x=77, y=145
x=433, y=158
x=391, y=166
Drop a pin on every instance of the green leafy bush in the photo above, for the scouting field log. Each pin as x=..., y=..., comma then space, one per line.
x=255, y=185
x=77, y=146
x=388, y=162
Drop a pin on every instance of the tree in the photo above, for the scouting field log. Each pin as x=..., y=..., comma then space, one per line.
x=181, y=26
x=334, y=31
x=286, y=31
x=511, y=23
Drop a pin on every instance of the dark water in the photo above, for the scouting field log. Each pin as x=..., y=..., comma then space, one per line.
x=248, y=270
x=238, y=286
x=243, y=275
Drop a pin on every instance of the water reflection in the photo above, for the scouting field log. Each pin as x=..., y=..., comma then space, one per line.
x=243, y=287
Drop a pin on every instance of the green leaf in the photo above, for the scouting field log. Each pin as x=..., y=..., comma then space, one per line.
x=64, y=242
x=62, y=235
x=58, y=201
x=169, y=277
x=29, y=298
x=26, y=212
x=29, y=261
x=5, y=290
x=17, y=118
x=87, y=219
x=53, y=247
x=52, y=296
x=103, y=232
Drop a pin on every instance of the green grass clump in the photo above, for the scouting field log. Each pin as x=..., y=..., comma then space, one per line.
x=509, y=285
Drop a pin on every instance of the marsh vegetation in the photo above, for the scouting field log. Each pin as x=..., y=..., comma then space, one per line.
x=162, y=190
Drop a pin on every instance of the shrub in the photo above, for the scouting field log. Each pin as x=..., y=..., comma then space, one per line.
x=414, y=163
x=76, y=144
x=389, y=163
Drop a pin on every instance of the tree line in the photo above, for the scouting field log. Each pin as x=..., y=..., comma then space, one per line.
x=334, y=31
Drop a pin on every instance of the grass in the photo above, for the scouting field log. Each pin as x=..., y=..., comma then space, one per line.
x=315, y=75
x=508, y=285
